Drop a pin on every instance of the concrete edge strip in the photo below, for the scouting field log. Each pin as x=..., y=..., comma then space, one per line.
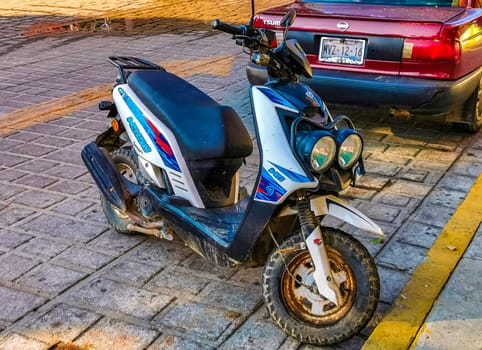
x=52, y=109
x=399, y=327
x=60, y=106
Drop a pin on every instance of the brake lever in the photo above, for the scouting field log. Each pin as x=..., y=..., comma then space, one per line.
x=246, y=41
x=239, y=41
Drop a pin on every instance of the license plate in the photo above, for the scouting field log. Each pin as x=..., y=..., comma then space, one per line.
x=342, y=50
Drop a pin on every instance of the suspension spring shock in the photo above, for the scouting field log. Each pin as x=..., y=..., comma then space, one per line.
x=308, y=220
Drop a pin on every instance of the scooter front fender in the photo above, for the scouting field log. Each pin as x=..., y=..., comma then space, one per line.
x=331, y=205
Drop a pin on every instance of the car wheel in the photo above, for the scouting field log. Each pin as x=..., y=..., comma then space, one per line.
x=472, y=111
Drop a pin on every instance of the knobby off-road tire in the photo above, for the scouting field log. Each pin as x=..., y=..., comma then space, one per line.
x=296, y=309
x=126, y=162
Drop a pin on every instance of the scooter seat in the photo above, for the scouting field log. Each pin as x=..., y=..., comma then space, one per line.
x=204, y=129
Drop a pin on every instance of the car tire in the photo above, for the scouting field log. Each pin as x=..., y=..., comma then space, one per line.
x=472, y=111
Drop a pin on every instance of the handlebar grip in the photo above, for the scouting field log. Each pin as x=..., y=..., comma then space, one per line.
x=228, y=28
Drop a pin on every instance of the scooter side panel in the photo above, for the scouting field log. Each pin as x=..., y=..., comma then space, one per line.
x=281, y=172
x=155, y=143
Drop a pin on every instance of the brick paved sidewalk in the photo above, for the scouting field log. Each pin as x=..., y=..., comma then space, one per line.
x=66, y=277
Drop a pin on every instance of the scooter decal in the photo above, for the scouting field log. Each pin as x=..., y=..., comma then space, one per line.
x=165, y=149
x=277, y=98
x=162, y=145
x=268, y=189
x=135, y=130
x=291, y=174
x=276, y=174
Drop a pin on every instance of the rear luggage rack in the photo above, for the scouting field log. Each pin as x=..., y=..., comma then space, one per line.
x=130, y=63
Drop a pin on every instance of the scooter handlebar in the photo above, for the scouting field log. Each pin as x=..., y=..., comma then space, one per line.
x=228, y=28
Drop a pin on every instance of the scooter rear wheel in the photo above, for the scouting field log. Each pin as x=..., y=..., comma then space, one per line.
x=125, y=161
x=295, y=305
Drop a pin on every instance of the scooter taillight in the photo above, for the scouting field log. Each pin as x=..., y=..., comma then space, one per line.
x=115, y=125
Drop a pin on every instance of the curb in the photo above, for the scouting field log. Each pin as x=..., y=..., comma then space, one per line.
x=401, y=324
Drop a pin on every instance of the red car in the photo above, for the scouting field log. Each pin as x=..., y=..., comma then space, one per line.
x=420, y=56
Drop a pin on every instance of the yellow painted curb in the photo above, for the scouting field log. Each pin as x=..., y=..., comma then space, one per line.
x=399, y=327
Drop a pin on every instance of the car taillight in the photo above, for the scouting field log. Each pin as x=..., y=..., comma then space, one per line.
x=431, y=49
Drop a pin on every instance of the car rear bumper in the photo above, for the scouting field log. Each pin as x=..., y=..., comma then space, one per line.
x=421, y=96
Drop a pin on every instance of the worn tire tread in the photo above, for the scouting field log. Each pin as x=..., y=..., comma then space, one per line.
x=306, y=333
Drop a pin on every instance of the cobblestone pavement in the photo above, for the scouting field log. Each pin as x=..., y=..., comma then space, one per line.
x=66, y=278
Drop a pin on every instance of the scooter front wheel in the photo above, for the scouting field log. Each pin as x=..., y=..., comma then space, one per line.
x=300, y=311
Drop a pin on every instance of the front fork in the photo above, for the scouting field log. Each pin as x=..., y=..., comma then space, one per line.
x=311, y=231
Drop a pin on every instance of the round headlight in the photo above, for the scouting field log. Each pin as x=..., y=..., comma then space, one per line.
x=323, y=153
x=317, y=149
x=350, y=151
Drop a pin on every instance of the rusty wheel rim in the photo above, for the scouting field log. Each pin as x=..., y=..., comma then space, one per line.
x=300, y=295
x=127, y=171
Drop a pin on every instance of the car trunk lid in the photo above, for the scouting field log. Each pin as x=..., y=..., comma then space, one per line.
x=384, y=30
x=380, y=12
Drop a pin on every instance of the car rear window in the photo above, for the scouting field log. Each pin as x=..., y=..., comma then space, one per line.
x=441, y=3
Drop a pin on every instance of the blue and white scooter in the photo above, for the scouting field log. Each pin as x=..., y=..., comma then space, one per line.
x=169, y=166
